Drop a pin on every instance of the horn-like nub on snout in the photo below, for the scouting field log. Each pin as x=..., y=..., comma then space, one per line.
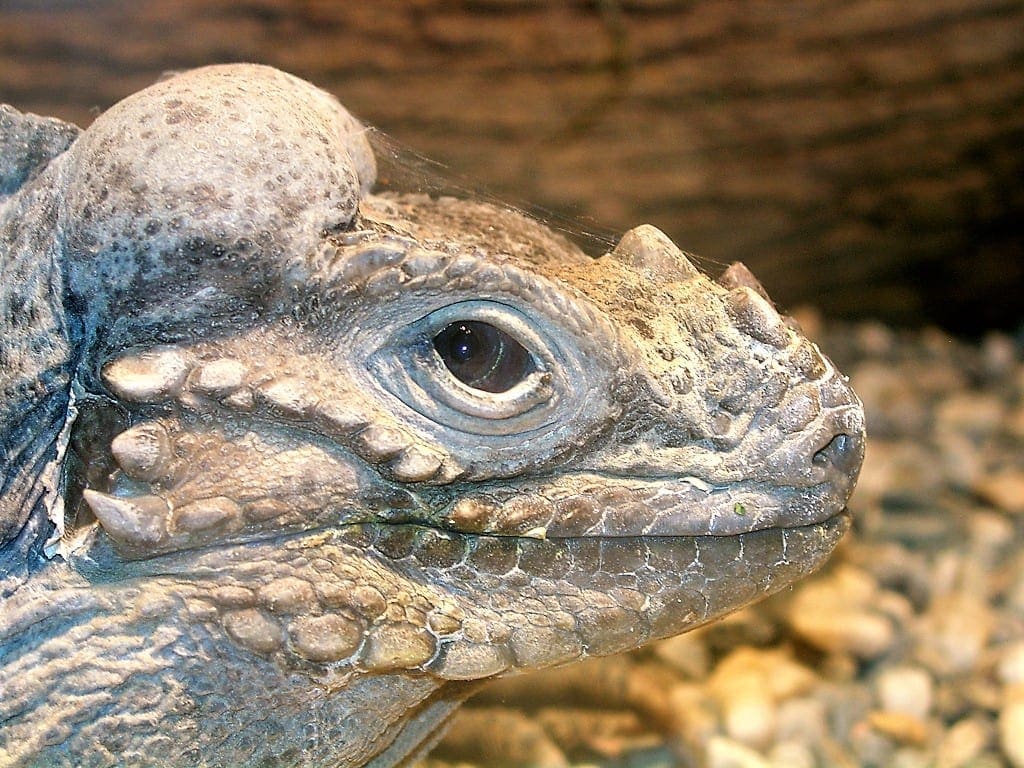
x=649, y=250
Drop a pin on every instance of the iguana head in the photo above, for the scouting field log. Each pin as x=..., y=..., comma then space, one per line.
x=440, y=437
x=295, y=354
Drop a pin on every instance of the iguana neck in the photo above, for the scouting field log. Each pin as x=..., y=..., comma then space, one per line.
x=153, y=640
x=36, y=365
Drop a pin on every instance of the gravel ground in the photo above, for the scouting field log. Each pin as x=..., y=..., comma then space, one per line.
x=906, y=651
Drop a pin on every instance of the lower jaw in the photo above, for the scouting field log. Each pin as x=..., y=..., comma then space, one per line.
x=540, y=601
x=668, y=584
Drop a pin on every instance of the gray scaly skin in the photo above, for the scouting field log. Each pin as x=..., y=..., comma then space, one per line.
x=289, y=466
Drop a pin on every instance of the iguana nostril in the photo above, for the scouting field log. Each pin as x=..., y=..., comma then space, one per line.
x=843, y=452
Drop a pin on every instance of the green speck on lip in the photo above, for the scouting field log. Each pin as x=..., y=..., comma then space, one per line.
x=739, y=509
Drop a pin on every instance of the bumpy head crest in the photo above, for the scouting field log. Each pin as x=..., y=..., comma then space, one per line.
x=204, y=191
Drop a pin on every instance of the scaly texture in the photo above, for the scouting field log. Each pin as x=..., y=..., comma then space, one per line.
x=318, y=459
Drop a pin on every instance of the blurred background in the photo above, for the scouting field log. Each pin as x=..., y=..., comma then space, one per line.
x=864, y=156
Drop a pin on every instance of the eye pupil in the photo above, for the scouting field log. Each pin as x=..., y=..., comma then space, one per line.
x=464, y=345
x=482, y=356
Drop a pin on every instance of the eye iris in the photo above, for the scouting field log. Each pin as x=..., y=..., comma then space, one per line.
x=482, y=356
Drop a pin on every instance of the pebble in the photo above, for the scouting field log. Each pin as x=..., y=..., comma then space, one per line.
x=866, y=745
x=1014, y=425
x=836, y=615
x=748, y=685
x=990, y=534
x=998, y=355
x=954, y=632
x=1003, y=490
x=688, y=654
x=910, y=757
x=899, y=726
x=726, y=753
x=890, y=403
x=1011, y=726
x=803, y=719
x=1015, y=590
x=693, y=714
x=873, y=338
x=974, y=415
x=1011, y=664
x=741, y=686
x=962, y=466
x=963, y=743
x=792, y=754
x=907, y=690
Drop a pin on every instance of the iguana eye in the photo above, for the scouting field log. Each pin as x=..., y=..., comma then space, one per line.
x=482, y=356
x=481, y=367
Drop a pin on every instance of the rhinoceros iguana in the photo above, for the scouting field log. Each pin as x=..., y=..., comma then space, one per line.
x=289, y=466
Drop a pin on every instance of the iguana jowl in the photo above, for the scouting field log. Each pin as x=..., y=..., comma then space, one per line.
x=288, y=465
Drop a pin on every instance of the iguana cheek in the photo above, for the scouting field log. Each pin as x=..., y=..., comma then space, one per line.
x=223, y=450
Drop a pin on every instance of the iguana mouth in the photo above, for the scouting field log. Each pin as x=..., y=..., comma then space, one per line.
x=634, y=510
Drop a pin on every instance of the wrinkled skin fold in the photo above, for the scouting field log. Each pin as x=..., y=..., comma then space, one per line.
x=291, y=465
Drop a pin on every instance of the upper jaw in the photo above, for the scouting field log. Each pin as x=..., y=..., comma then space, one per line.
x=583, y=505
